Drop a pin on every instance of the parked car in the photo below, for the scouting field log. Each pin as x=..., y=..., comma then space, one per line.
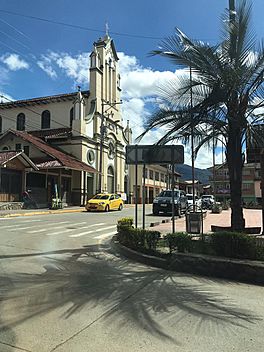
x=105, y=202
x=197, y=202
x=163, y=202
x=207, y=201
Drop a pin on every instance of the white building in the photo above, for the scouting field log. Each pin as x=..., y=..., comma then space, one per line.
x=75, y=152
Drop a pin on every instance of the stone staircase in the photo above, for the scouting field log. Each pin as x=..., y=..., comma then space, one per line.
x=11, y=206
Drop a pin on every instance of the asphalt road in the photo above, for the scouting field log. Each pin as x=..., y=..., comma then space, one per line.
x=64, y=289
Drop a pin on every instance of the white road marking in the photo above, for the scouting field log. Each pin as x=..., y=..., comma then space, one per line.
x=70, y=230
x=101, y=237
x=21, y=228
x=36, y=231
x=92, y=231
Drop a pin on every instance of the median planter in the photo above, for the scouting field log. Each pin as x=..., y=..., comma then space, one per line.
x=232, y=269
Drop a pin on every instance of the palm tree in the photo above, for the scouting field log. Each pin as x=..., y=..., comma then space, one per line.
x=221, y=101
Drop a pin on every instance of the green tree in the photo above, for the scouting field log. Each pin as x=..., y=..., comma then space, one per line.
x=222, y=99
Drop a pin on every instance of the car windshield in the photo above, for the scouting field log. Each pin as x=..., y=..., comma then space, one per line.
x=168, y=194
x=101, y=196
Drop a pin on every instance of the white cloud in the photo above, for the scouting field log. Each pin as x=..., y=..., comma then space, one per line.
x=139, y=91
x=75, y=67
x=5, y=98
x=46, y=65
x=14, y=62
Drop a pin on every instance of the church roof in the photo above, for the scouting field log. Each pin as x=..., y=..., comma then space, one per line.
x=43, y=100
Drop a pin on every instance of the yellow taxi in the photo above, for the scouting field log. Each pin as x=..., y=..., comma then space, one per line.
x=105, y=202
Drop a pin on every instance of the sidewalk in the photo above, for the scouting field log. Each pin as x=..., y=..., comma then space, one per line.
x=252, y=217
x=44, y=211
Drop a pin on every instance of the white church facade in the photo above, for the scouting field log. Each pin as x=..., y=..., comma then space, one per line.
x=72, y=144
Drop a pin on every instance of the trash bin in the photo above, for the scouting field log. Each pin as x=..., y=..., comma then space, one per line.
x=194, y=221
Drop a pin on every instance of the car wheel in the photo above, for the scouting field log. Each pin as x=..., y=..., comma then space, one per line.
x=120, y=207
x=107, y=208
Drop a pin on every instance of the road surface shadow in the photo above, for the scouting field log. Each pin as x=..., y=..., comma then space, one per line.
x=138, y=294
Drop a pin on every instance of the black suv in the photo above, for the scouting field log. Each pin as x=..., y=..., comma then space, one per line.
x=163, y=202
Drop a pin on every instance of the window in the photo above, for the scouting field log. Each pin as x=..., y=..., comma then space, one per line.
x=162, y=177
x=21, y=122
x=110, y=179
x=111, y=152
x=71, y=117
x=156, y=176
x=45, y=119
x=26, y=150
x=18, y=146
x=90, y=156
x=151, y=174
x=0, y=124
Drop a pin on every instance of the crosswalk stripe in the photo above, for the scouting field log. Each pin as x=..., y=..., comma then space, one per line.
x=92, y=231
x=36, y=231
x=101, y=237
x=70, y=230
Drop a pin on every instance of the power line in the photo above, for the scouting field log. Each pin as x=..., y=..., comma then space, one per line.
x=80, y=27
x=39, y=114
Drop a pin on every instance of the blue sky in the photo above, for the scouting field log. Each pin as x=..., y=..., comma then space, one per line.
x=38, y=58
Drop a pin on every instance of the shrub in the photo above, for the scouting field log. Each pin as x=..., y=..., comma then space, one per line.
x=225, y=206
x=216, y=208
x=137, y=239
x=124, y=224
x=180, y=241
x=152, y=238
x=233, y=245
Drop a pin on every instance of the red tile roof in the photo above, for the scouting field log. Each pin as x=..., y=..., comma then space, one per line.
x=5, y=156
x=63, y=160
x=42, y=100
x=52, y=133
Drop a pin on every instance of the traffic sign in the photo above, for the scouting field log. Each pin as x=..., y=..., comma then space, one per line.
x=154, y=154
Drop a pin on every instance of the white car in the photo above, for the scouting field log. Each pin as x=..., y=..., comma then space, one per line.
x=198, y=200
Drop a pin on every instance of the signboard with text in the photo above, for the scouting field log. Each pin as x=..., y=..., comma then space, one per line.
x=154, y=154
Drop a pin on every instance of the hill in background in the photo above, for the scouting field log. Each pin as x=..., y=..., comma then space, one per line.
x=199, y=174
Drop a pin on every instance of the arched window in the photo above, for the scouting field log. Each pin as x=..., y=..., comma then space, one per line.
x=21, y=122
x=110, y=179
x=45, y=119
x=1, y=128
x=71, y=117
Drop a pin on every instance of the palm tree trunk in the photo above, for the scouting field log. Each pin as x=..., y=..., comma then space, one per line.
x=235, y=165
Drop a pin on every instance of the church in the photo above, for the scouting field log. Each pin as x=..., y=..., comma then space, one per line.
x=67, y=145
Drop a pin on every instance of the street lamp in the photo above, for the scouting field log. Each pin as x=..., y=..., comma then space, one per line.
x=102, y=135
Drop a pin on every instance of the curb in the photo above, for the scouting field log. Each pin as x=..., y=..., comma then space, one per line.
x=247, y=271
x=10, y=215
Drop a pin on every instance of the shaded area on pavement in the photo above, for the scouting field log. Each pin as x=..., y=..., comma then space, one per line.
x=142, y=295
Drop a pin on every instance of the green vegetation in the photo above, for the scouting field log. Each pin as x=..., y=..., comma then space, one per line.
x=219, y=99
x=224, y=244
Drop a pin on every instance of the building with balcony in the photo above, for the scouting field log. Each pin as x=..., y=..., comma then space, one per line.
x=250, y=182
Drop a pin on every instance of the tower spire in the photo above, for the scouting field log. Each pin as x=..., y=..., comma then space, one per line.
x=106, y=29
